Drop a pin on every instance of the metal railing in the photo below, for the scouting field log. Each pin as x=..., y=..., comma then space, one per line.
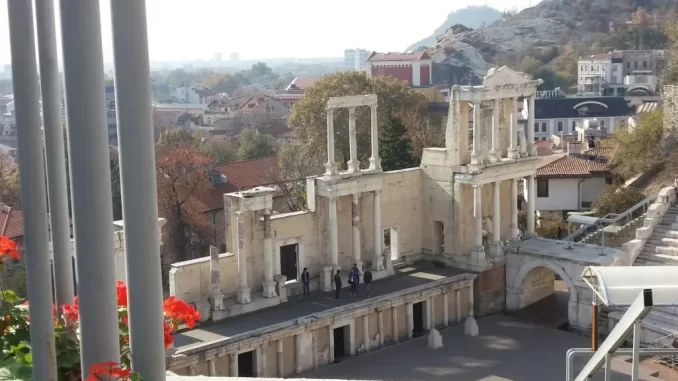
x=667, y=342
x=611, y=219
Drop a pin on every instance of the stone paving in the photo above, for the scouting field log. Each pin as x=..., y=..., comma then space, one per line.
x=507, y=349
x=300, y=306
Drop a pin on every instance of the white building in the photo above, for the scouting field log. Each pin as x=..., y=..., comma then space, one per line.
x=7, y=116
x=601, y=74
x=563, y=116
x=194, y=95
x=355, y=59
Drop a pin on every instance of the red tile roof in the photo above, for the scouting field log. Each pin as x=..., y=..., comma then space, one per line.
x=241, y=175
x=302, y=83
x=412, y=56
x=11, y=222
x=544, y=147
x=573, y=166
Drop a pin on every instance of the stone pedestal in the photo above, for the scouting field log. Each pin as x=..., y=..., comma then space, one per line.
x=280, y=285
x=496, y=250
x=435, y=340
x=269, y=289
x=243, y=295
x=327, y=279
x=216, y=298
x=471, y=326
x=378, y=263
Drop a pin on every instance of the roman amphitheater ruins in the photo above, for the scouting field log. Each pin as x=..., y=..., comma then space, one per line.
x=442, y=241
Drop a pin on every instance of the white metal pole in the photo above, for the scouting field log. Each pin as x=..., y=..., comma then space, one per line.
x=54, y=151
x=33, y=188
x=139, y=194
x=90, y=173
x=635, y=365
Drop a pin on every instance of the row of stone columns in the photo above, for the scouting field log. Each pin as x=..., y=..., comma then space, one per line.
x=353, y=164
x=513, y=149
x=478, y=250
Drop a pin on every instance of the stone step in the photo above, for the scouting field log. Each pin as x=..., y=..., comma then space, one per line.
x=660, y=249
x=671, y=242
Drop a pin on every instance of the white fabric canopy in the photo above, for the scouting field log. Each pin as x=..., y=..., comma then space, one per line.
x=620, y=285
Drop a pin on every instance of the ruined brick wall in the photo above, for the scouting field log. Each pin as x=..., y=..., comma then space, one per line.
x=670, y=108
x=489, y=291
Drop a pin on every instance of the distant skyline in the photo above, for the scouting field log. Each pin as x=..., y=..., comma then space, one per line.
x=198, y=29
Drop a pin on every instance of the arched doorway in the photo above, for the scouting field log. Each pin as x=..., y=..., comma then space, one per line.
x=543, y=293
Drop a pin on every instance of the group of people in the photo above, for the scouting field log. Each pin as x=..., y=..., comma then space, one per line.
x=353, y=280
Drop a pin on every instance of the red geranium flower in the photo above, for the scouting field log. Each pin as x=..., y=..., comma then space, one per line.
x=168, y=335
x=70, y=311
x=121, y=289
x=8, y=248
x=177, y=310
x=108, y=369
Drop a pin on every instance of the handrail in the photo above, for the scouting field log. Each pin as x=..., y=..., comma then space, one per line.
x=610, y=219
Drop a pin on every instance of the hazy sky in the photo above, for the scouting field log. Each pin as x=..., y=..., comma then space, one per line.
x=197, y=29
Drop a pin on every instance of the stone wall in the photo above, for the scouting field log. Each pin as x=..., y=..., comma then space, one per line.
x=299, y=345
x=670, y=108
x=190, y=280
x=490, y=291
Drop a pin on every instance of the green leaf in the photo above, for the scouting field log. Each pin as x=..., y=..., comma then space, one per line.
x=16, y=372
x=10, y=297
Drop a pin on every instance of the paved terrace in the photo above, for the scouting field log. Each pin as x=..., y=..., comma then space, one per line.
x=300, y=306
x=507, y=349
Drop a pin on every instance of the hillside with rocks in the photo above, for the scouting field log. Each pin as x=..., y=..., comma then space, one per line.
x=548, y=30
x=473, y=17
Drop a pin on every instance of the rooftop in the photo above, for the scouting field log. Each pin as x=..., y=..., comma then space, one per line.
x=411, y=56
x=595, y=161
x=11, y=222
x=302, y=82
x=241, y=175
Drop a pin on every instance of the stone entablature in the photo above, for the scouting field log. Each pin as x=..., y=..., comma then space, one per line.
x=306, y=343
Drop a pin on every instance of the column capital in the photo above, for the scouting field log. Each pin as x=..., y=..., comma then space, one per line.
x=351, y=111
x=373, y=107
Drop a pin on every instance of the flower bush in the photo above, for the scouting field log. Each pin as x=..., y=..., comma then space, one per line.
x=15, y=346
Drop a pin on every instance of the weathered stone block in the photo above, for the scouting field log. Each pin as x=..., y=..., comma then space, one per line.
x=435, y=340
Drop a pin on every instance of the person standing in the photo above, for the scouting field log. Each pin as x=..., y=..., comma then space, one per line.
x=306, y=281
x=354, y=279
x=367, y=278
x=337, y=284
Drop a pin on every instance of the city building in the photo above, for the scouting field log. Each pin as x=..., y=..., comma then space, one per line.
x=632, y=73
x=415, y=68
x=110, y=115
x=295, y=90
x=564, y=115
x=196, y=95
x=7, y=116
x=355, y=59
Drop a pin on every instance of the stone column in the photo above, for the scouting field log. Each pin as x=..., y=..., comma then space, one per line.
x=431, y=313
x=478, y=251
x=331, y=165
x=514, y=209
x=531, y=204
x=394, y=326
x=243, y=292
x=366, y=333
x=334, y=234
x=262, y=363
x=380, y=327
x=378, y=262
x=470, y=325
x=410, y=320
x=212, y=367
x=297, y=353
x=496, y=219
x=529, y=133
x=446, y=314
x=216, y=296
x=457, y=306
x=476, y=155
x=355, y=222
x=353, y=165
x=281, y=358
x=228, y=236
x=375, y=160
x=269, y=283
x=233, y=364
x=495, y=153
x=513, y=147
x=192, y=370
x=331, y=341
x=314, y=348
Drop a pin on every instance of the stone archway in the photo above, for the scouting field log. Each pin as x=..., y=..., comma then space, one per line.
x=516, y=294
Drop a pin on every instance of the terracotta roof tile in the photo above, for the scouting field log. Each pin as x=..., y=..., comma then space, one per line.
x=11, y=222
x=412, y=56
x=606, y=152
x=240, y=176
x=301, y=83
x=573, y=166
x=544, y=147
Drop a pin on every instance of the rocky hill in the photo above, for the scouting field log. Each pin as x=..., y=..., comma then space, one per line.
x=473, y=17
x=548, y=26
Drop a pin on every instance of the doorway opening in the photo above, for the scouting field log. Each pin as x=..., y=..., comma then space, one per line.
x=418, y=319
x=341, y=343
x=391, y=243
x=438, y=237
x=288, y=261
x=246, y=364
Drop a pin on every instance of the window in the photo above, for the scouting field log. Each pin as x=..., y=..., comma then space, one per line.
x=602, y=123
x=543, y=138
x=544, y=126
x=560, y=126
x=574, y=125
x=635, y=64
x=542, y=187
x=644, y=64
x=628, y=64
x=536, y=126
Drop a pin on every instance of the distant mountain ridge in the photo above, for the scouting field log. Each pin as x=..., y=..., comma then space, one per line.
x=472, y=17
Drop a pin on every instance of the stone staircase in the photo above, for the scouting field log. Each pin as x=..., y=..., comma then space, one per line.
x=661, y=248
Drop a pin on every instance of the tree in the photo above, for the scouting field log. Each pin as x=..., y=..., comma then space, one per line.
x=423, y=132
x=616, y=199
x=182, y=176
x=395, y=148
x=10, y=194
x=671, y=70
x=255, y=145
x=175, y=138
x=309, y=117
x=294, y=166
x=639, y=148
x=219, y=150
x=530, y=65
x=548, y=226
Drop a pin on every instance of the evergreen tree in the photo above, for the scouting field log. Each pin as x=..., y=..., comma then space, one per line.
x=395, y=148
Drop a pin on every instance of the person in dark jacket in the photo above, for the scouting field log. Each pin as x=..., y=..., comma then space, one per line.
x=337, y=284
x=306, y=281
x=354, y=279
x=367, y=278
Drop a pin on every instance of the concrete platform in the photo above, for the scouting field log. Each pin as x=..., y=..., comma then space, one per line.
x=506, y=350
x=300, y=306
